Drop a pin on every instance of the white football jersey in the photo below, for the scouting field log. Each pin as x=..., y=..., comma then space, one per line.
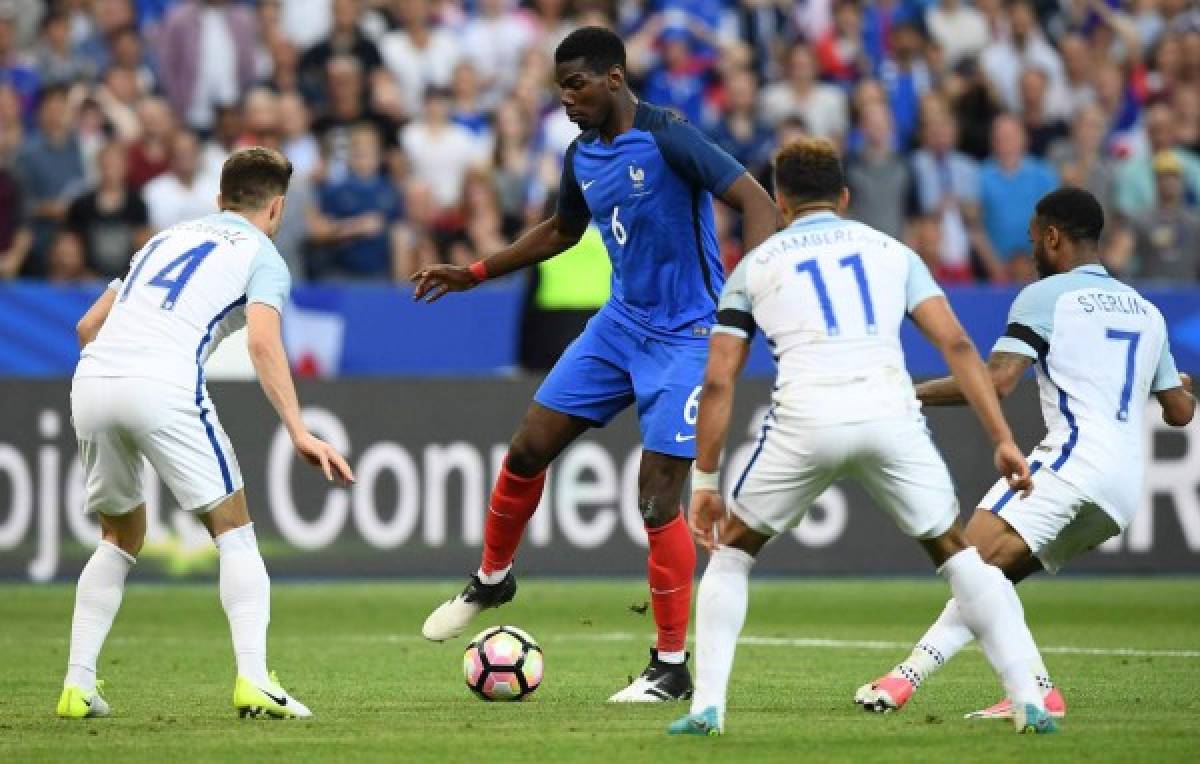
x=1100, y=349
x=186, y=291
x=830, y=295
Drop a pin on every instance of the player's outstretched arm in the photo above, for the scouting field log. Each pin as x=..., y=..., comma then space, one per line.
x=726, y=357
x=265, y=343
x=1178, y=403
x=542, y=242
x=760, y=216
x=89, y=326
x=938, y=323
x=1005, y=369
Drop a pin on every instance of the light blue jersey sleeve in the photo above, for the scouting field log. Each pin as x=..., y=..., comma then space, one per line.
x=1166, y=376
x=115, y=285
x=920, y=285
x=1030, y=321
x=270, y=283
x=734, y=311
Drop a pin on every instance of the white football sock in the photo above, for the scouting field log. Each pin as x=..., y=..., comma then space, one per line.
x=493, y=578
x=674, y=657
x=246, y=597
x=948, y=635
x=721, y=604
x=985, y=600
x=97, y=599
x=1040, y=673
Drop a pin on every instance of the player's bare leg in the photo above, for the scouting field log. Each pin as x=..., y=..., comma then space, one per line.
x=246, y=598
x=721, y=604
x=999, y=545
x=540, y=438
x=670, y=568
x=97, y=599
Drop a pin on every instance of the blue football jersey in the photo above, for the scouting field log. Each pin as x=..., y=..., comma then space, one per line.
x=649, y=192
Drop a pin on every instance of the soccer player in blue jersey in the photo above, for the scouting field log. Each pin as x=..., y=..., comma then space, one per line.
x=645, y=179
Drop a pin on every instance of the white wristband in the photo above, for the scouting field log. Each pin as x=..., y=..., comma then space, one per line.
x=705, y=481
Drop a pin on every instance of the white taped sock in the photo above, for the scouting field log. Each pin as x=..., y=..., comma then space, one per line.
x=493, y=578
x=97, y=599
x=246, y=598
x=721, y=604
x=985, y=600
x=1040, y=673
x=946, y=637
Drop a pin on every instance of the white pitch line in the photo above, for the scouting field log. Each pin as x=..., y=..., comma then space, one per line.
x=845, y=644
x=628, y=636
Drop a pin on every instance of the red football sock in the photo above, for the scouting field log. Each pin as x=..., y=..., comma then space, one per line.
x=670, y=569
x=514, y=500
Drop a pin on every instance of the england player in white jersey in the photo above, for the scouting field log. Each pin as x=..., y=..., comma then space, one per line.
x=830, y=296
x=1099, y=350
x=139, y=392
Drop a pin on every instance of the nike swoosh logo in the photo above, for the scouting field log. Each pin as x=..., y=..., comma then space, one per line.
x=681, y=438
x=282, y=700
x=585, y=185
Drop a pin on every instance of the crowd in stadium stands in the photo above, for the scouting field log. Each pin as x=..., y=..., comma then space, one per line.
x=429, y=130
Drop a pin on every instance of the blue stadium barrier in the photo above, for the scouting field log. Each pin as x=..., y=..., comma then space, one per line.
x=382, y=332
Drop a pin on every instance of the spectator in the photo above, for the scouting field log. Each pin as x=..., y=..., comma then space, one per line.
x=15, y=236
x=514, y=168
x=679, y=80
x=1010, y=184
x=106, y=17
x=879, y=179
x=183, y=192
x=1023, y=48
x=1165, y=240
x=354, y=216
x=493, y=39
x=207, y=55
x=975, y=108
x=466, y=109
x=1186, y=106
x=1077, y=73
x=822, y=107
x=12, y=125
x=129, y=54
x=1135, y=176
x=946, y=185
x=111, y=222
x=960, y=30
x=483, y=231
x=51, y=171
x=67, y=264
x=840, y=53
x=344, y=39
x=347, y=107
x=150, y=154
x=298, y=143
x=439, y=151
x=16, y=70
x=1042, y=127
x=905, y=78
x=551, y=23
x=419, y=54
x=56, y=60
x=1080, y=161
x=260, y=120
x=740, y=131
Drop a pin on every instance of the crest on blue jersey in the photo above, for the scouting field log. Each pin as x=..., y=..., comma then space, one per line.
x=638, y=176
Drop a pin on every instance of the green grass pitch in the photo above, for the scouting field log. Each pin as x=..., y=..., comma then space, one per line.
x=352, y=653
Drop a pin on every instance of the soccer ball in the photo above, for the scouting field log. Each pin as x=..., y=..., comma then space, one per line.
x=503, y=663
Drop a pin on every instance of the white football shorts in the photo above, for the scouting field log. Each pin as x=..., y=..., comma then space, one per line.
x=895, y=460
x=1057, y=522
x=119, y=419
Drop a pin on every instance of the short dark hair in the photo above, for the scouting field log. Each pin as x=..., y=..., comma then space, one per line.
x=1074, y=212
x=599, y=48
x=809, y=170
x=252, y=177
